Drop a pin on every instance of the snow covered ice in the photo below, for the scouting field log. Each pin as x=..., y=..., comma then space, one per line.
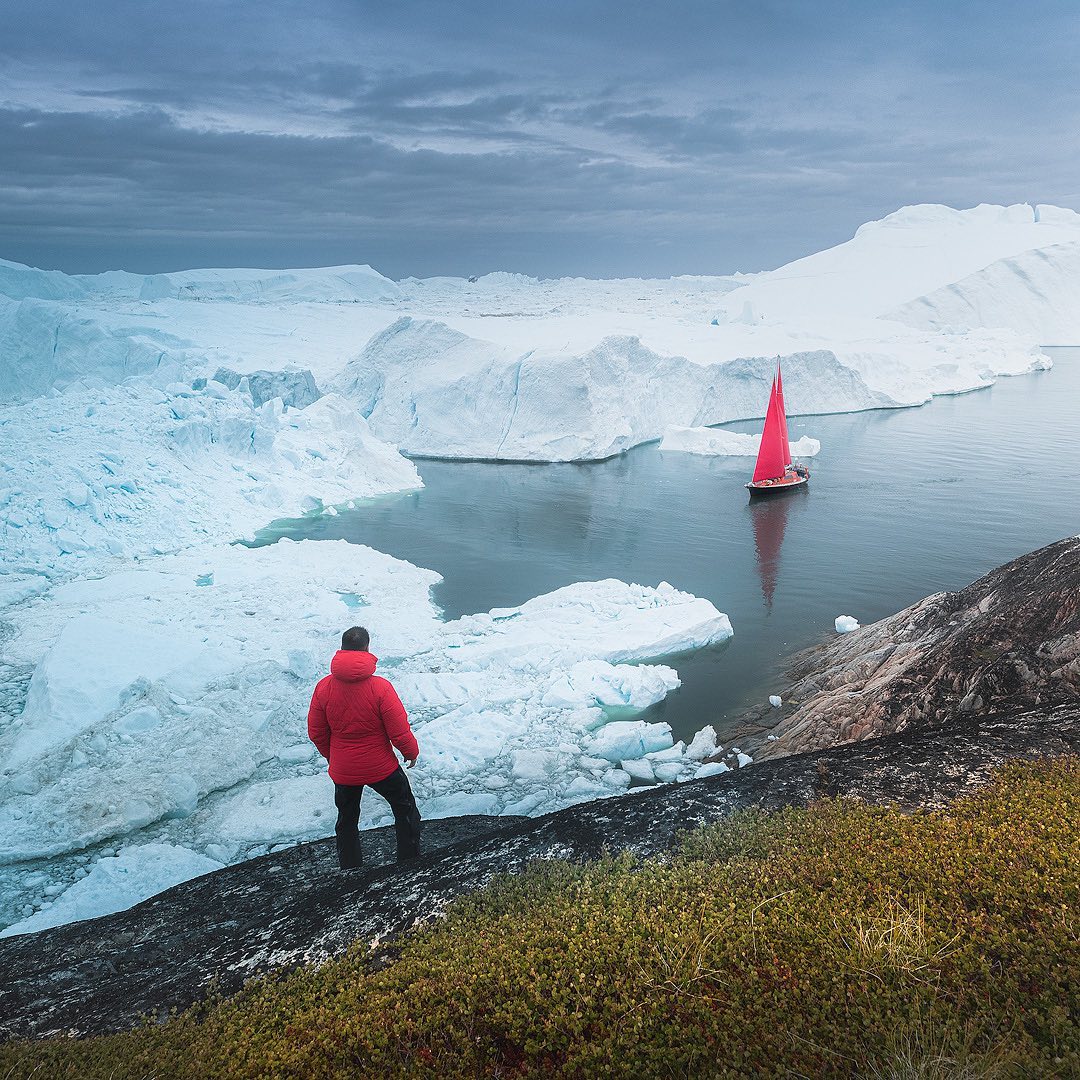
x=158, y=676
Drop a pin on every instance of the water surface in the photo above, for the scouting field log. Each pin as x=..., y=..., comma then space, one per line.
x=902, y=503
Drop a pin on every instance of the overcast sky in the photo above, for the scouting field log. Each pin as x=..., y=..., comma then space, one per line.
x=550, y=138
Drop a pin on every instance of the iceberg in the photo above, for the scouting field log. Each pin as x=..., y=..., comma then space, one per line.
x=1033, y=293
x=716, y=442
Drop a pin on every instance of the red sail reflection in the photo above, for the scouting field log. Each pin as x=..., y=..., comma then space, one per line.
x=769, y=517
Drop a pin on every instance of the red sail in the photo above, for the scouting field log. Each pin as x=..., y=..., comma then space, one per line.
x=783, y=412
x=771, y=459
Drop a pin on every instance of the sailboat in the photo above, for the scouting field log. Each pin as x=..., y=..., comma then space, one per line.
x=775, y=470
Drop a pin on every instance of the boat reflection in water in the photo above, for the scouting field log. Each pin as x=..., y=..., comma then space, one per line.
x=769, y=518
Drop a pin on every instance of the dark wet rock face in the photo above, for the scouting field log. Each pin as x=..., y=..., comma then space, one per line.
x=953, y=687
x=1009, y=640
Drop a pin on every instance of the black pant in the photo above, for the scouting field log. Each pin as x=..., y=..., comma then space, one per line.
x=396, y=791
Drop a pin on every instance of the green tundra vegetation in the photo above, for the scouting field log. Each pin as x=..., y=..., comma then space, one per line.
x=840, y=940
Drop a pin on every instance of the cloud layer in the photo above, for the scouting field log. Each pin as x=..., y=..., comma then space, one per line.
x=585, y=138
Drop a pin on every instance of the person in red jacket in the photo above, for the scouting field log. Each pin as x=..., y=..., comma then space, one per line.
x=355, y=720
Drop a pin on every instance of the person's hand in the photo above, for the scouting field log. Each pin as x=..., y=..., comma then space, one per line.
x=410, y=762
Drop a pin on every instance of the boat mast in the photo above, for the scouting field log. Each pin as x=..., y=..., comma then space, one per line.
x=783, y=413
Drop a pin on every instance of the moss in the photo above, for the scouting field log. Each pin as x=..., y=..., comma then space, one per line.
x=835, y=941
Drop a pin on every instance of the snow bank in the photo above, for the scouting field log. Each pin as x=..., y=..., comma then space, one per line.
x=716, y=442
x=889, y=262
x=1036, y=293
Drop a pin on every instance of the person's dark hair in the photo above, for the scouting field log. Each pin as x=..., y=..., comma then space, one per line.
x=355, y=639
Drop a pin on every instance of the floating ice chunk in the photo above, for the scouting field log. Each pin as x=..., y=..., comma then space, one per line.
x=145, y=718
x=581, y=789
x=668, y=772
x=717, y=442
x=592, y=620
x=529, y=803
x=534, y=764
x=596, y=682
x=464, y=741
x=77, y=494
x=711, y=768
x=447, y=690
x=775, y=700
x=459, y=804
x=671, y=753
x=295, y=808
x=744, y=759
x=640, y=769
x=221, y=853
x=703, y=744
x=114, y=884
x=846, y=623
x=625, y=740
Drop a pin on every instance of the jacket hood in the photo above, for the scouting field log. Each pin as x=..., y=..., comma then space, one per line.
x=351, y=665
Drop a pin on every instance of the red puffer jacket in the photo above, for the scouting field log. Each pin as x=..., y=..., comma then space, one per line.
x=355, y=720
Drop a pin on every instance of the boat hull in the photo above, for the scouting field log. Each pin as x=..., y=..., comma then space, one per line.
x=774, y=487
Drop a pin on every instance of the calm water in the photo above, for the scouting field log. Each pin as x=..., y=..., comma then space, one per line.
x=902, y=503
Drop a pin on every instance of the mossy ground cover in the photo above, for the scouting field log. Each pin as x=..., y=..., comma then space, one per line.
x=841, y=940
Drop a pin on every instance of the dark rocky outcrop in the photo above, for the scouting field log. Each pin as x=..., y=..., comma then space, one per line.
x=1009, y=640
x=295, y=906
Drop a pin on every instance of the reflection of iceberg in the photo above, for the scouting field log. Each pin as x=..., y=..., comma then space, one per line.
x=769, y=518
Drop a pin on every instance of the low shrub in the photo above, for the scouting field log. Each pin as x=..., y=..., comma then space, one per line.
x=840, y=940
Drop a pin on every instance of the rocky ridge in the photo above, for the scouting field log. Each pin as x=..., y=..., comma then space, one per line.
x=1009, y=640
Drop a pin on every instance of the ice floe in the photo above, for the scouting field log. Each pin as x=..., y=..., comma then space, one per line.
x=198, y=745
